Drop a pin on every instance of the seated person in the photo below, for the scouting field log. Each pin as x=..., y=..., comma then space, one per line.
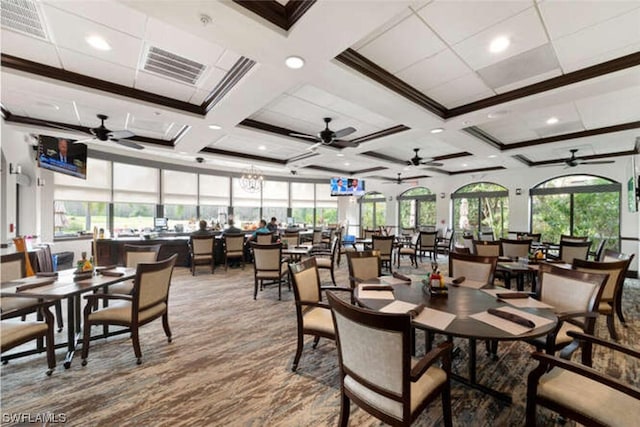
x=232, y=229
x=262, y=229
x=202, y=231
x=273, y=225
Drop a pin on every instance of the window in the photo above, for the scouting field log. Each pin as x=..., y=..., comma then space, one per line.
x=246, y=206
x=302, y=202
x=180, y=199
x=481, y=206
x=417, y=208
x=275, y=200
x=372, y=211
x=326, y=206
x=72, y=217
x=215, y=195
x=579, y=205
x=132, y=218
x=134, y=205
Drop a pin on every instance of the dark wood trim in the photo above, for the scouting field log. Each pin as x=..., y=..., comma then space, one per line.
x=22, y=120
x=279, y=15
x=381, y=134
x=492, y=168
x=591, y=72
x=524, y=159
x=343, y=172
x=452, y=156
x=93, y=83
x=233, y=76
x=5, y=113
x=484, y=136
x=631, y=239
x=242, y=155
x=354, y=60
x=181, y=133
x=369, y=170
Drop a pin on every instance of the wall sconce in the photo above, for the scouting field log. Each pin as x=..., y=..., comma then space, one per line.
x=442, y=195
x=40, y=182
x=518, y=191
x=15, y=169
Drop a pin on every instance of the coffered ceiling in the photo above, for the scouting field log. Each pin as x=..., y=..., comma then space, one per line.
x=568, y=77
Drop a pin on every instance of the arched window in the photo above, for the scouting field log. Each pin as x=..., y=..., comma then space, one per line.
x=579, y=205
x=417, y=208
x=373, y=208
x=481, y=206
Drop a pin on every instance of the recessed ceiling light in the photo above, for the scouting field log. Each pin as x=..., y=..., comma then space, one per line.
x=215, y=127
x=97, y=42
x=499, y=44
x=464, y=165
x=294, y=62
x=49, y=105
x=347, y=163
x=493, y=156
x=552, y=120
x=262, y=147
x=340, y=155
x=437, y=130
x=406, y=168
x=497, y=114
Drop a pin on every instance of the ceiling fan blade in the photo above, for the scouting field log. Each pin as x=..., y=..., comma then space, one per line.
x=128, y=143
x=314, y=146
x=416, y=177
x=82, y=141
x=121, y=134
x=597, y=162
x=346, y=143
x=344, y=132
x=432, y=163
x=303, y=135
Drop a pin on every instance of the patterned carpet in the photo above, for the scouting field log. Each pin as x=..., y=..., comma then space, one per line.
x=230, y=365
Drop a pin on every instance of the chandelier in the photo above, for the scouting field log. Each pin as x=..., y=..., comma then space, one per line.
x=251, y=180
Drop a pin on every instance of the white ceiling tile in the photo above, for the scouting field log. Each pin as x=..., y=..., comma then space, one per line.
x=529, y=81
x=212, y=76
x=30, y=48
x=523, y=30
x=609, y=109
x=181, y=43
x=455, y=21
x=404, y=44
x=460, y=91
x=509, y=133
x=108, y=13
x=154, y=84
x=94, y=67
x=382, y=29
x=150, y=126
x=199, y=96
x=435, y=70
x=227, y=60
x=314, y=95
x=117, y=119
x=613, y=34
x=70, y=31
x=598, y=59
x=563, y=17
x=24, y=102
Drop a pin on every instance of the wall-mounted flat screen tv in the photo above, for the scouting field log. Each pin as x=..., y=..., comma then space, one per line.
x=62, y=155
x=341, y=186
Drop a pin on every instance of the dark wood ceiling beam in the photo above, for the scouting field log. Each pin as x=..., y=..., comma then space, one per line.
x=279, y=15
x=488, y=169
x=343, y=172
x=244, y=156
x=267, y=127
x=381, y=134
x=233, y=76
x=636, y=150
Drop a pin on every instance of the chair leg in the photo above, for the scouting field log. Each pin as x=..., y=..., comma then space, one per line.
x=446, y=405
x=255, y=288
x=611, y=325
x=86, y=333
x=136, y=345
x=59, y=316
x=333, y=278
x=280, y=289
x=344, y=411
x=165, y=326
x=315, y=341
x=296, y=359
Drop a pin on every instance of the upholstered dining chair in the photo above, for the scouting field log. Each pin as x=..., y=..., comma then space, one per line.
x=410, y=248
x=233, y=248
x=577, y=391
x=467, y=242
x=363, y=265
x=515, y=248
x=473, y=267
x=386, y=382
x=290, y=239
x=575, y=297
x=133, y=255
x=486, y=235
x=148, y=301
x=268, y=266
x=313, y=315
x=612, y=289
x=384, y=245
x=15, y=333
x=445, y=244
x=573, y=239
x=486, y=247
x=326, y=259
x=610, y=255
x=201, y=251
x=264, y=238
x=427, y=243
x=573, y=250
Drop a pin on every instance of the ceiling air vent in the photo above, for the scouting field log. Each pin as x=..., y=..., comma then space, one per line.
x=22, y=16
x=167, y=64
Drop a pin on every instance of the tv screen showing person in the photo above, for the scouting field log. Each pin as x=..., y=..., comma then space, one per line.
x=338, y=185
x=62, y=155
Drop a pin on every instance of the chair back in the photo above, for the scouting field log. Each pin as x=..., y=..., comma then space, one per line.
x=611, y=255
x=428, y=239
x=473, y=267
x=151, y=285
x=267, y=257
x=486, y=235
x=12, y=267
x=486, y=248
x=515, y=248
x=202, y=245
x=597, y=254
x=574, y=250
x=570, y=290
x=306, y=284
x=615, y=269
x=383, y=244
x=534, y=237
x=135, y=254
x=467, y=242
x=363, y=265
x=291, y=239
x=233, y=242
x=569, y=238
x=264, y=238
x=368, y=234
x=45, y=260
x=374, y=353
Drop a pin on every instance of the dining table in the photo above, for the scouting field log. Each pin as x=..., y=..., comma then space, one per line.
x=66, y=285
x=462, y=312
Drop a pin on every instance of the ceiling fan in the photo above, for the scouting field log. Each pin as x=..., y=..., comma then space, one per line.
x=407, y=180
x=417, y=160
x=574, y=161
x=101, y=133
x=329, y=137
